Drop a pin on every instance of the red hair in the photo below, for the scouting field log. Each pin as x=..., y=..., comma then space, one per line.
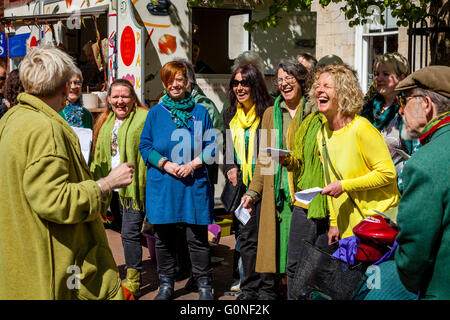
x=169, y=71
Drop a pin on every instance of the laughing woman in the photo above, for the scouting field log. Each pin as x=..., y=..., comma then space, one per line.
x=359, y=173
x=116, y=138
x=249, y=99
x=177, y=140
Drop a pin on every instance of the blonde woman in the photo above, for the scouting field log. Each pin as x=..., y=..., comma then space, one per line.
x=359, y=173
x=52, y=229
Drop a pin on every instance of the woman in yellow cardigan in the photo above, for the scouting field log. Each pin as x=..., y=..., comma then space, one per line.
x=359, y=173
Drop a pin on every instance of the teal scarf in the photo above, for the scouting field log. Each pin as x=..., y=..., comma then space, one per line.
x=372, y=111
x=179, y=110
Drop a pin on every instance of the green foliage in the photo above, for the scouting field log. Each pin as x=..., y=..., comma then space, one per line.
x=355, y=11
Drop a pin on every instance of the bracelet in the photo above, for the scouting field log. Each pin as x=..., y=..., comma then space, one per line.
x=162, y=162
x=101, y=189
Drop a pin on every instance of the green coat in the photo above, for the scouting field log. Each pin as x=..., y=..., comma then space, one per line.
x=423, y=255
x=51, y=233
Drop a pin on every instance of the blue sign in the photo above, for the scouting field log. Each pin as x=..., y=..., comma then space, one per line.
x=18, y=45
x=3, y=46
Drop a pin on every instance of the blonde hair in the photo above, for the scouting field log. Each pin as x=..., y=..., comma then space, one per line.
x=45, y=69
x=349, y=95
x=398, y=63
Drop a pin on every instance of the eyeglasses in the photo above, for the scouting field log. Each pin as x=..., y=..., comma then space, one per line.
x=288, y=79
x=402, y=100
x=243, y=83
x=76, y=83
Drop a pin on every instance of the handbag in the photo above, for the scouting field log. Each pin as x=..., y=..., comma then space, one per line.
x=231, y=195
x=320, y=276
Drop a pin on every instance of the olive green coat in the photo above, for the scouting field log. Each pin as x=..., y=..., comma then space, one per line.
x=52, y=241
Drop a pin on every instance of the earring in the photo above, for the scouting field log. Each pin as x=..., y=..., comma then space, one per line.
x=109, y=107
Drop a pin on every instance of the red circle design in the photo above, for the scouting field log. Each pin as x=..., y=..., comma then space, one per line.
x=127, y=46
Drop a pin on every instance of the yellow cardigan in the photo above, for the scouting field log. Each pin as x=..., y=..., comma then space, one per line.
x=360, y=155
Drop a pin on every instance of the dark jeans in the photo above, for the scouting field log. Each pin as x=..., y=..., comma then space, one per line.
x=253, y=284
x=131, y=221
x=166, y=249
x=314, y=231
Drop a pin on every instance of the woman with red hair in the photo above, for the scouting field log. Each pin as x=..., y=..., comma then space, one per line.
x=177, y=141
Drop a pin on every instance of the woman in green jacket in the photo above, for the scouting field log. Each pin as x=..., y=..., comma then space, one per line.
x=52, y=241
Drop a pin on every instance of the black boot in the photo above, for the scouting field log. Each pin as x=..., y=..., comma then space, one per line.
x=205, y=289
x=165, y=288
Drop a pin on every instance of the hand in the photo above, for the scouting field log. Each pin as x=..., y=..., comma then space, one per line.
x=334, y=189
x=184, y=170
x=232, y=175
x=333, y=235
x=171, y=168
x=121, y=176
x=247, y=202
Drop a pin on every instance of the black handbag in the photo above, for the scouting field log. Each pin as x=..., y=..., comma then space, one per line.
x=231, y=195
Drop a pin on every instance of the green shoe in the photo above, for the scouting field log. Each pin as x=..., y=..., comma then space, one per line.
x=133, y=281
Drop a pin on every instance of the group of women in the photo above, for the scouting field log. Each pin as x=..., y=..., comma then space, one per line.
x=333, y=147
x=315, y=114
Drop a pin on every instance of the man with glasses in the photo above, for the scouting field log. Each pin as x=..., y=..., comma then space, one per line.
x=423, y=255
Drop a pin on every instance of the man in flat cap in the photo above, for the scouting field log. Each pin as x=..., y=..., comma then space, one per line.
x=423, y=255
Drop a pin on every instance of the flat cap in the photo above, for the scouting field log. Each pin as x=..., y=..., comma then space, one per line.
x=434, y=78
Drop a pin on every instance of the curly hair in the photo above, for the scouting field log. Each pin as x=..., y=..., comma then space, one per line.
x=258, y=89
x=13, y=87
x=350, y=97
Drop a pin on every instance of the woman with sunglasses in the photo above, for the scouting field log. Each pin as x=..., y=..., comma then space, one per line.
x=382, y=110
x=74, y=113
x=249, y=99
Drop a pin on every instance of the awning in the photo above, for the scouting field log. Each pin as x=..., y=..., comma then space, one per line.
x=52, y=18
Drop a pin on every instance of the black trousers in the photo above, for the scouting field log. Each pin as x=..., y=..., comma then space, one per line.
x=166, y=242
x=314, y=231
x=253, y=284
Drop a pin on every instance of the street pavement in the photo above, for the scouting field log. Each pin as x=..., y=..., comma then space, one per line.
x=222, y=262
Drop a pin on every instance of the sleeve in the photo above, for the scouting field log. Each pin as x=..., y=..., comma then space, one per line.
x=209, y=140
x=87, y=119
x=51, y=195
x=264, y=165
x=148, y=153
x=376, y=156
x=417, y=244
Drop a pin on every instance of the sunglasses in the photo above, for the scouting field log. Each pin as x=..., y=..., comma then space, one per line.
x=243, y=83
x=402, y=101
x=3, y=78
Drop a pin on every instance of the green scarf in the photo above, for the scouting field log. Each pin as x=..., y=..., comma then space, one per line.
x=278, y=126
x=128, y=137
x=179, y=110
x=306, y=150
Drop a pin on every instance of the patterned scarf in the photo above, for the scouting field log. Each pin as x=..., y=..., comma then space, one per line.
x=179, y=110
x=435, y=124
x=372, y=110
x=73, y=113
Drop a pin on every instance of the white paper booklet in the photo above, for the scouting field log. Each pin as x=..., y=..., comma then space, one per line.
x=242, y=214
x=276, y=153
x=85, y=137
x=306, y=196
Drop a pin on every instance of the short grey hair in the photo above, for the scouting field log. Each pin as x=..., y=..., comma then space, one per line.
x=45, y=69
x=442, y=103
x=77, y=72
x=248, y=57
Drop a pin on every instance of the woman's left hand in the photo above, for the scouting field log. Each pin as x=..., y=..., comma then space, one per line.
x=334, y=189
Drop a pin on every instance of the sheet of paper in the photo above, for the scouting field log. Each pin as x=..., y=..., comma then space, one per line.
x=276, y=153
x=242, y=214
x=85, y=137
x=306, y=196
x=403, y=154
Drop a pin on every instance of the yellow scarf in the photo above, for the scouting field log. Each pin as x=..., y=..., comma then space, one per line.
x=238, y=125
